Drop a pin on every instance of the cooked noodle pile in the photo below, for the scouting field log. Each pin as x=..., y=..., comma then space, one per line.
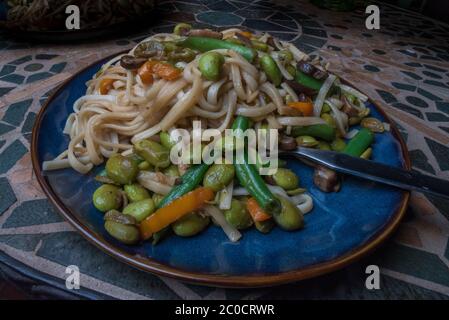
x=104, y=124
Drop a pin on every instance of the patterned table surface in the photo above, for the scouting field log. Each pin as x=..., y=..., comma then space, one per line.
x=404, y=66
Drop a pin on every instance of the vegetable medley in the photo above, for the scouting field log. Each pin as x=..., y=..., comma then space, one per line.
x=230, y=79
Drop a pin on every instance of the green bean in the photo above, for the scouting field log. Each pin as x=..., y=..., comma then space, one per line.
x=271, y=69
x=250, y=179
x=135, y=192
x=204, y=44
x=338, y=145
x=127, y=234
x=322, y=131
x=264, y=226
x=218, y=176
x=286, y=179
x=308, y=81
x=190, y=225
x=290, y=218
x=238, y=216
x=361, y=141
x=153, y=152
x=210, y=65
x=121, y=169
x=189, y=181
x=107, y=197
x=181, y=27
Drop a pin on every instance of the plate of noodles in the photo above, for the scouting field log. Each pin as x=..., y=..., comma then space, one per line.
x=109, y=151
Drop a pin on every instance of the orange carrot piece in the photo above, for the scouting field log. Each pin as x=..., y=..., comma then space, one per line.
x=256, y=211
x=106, y=85
x=246, y=34
x=176, y=209
x=145, y=73
x=305, y=107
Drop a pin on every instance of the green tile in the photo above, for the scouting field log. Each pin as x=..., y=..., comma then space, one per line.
x=403, y=86
x=33, y=67
x=33, y=212
x=13, y=153
x=39, y=76
x=7, y=69
x=29, y=122
x=440, y=152
x=13, y=78
x=59, y=67
x=419, y=160
x=4, y=128
x=386, y=96
x=21, y=60
x=16, y=111
x=25, y=242
x=7, y=196
x=68, y=248
x=414, y=262
x=443, y=106
x=437, y=117
x=428, y=95
x=2, y=143
x=4, y=91
x=46, y=56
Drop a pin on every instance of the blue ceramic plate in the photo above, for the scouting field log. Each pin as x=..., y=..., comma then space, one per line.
x=342, y=227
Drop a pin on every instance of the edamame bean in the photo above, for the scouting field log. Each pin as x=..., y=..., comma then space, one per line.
x=157, y=198
x=153, y=153
x=210, y=65
x=190, y=225
x=329, y=119
x=271, y=69
x=264, y=226
x=238, y=216
x=107, y=197
x=286, y=179
x=171, y=171
x=323, y=145
x=218, y=176
x=121, y=169
x=166, y=140
x=145, y=166
x=338, y=145
x=128, y=234
x=290, y=218
x=306, y=141
x=259, y=45
x=140, y=209
x=181, y=28
x=135, y=192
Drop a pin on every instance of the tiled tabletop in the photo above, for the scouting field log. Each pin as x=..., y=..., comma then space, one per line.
x=404, y=67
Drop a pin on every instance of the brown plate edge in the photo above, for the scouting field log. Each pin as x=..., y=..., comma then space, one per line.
x=221, y=280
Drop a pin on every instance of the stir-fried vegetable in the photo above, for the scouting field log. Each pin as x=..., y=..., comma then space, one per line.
x=206, y=44
x=271, y=69
x=305, y=107
x=322, y=131
x=256, y=212
x=363, y=139
x=249, y=177
x=176, y=209
x=210, y=65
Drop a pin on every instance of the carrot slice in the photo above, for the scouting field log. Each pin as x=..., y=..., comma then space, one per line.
x=305, y=107
x=256, y=211
x=106, y=85
x=145, y=73
x=176, y=209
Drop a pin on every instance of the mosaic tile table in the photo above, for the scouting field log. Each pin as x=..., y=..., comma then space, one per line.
x=404, y=67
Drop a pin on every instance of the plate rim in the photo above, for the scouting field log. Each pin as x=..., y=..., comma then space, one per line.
x=218, y=280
